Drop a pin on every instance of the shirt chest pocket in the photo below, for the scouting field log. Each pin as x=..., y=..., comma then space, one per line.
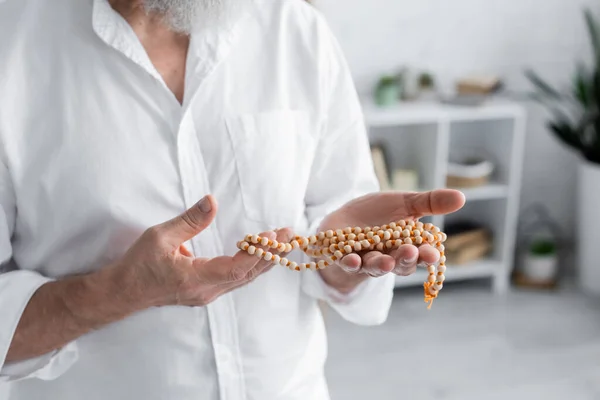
x=273, y=152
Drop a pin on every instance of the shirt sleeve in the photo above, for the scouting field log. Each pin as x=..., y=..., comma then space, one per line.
x=16, y=289
x=342, y=171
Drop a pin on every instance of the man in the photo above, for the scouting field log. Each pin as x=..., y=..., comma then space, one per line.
x=140, y=140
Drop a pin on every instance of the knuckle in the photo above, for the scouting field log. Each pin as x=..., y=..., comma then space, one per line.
x=238, y=274
x=154, y=234
x=204, y=299
x=191, y=219
x=252, y=275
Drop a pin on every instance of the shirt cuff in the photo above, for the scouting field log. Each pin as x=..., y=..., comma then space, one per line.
x=369, y=304
x=16, y=289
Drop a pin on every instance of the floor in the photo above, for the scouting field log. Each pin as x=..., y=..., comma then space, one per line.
x=471, y=345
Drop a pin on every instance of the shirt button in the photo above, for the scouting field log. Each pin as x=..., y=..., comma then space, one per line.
x=224, y=359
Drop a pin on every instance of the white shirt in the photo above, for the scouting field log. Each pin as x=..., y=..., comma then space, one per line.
x=95, y=149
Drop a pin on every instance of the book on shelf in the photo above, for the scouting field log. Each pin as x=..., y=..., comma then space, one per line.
x=381, y=165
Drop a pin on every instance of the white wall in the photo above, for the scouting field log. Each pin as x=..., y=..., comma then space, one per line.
x=452, y=38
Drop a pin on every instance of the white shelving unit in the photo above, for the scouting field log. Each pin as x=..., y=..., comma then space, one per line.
x=426, y=136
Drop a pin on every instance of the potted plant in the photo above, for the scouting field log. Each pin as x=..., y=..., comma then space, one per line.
x=387, y=91
x=576, y=123
x=426, y=84
x=541, y=261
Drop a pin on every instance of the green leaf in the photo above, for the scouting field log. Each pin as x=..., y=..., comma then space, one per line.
x=542, y=85
x=583, y=87
x=567, y=134
x=593, y=32
x=543, y=247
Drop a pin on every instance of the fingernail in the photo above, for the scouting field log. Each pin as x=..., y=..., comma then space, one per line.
x=205, y=205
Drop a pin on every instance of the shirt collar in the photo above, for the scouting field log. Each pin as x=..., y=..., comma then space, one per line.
x=117, y=33
x=207, y=48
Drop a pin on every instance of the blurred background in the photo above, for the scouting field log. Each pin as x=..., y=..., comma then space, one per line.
x=499, y=99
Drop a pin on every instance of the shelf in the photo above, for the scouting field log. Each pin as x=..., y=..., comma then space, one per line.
x=476, y=270
x=490, y=191
x=431, y=112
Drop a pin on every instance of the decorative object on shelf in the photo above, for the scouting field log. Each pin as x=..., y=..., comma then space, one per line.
x=478, y=85
x=576, y=123
x=388, y=91
x=405, y=180
x=539, y=249
x=469, y=172
x=381, y=165
x=331, y=246
x=466, y=242
x=427, y=87
x=540, y=265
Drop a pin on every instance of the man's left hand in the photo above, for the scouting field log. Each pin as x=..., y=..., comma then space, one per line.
x=378, y=209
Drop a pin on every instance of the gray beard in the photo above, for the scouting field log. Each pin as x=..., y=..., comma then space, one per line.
x=188, y=16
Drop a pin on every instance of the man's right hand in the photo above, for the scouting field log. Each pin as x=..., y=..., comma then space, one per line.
x=158, y=270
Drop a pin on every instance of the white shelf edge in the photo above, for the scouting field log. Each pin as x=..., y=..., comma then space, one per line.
x=434, y=113
x=486, y=192
x=485, y=268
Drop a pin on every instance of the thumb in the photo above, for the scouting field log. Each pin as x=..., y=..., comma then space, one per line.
x=193, y=221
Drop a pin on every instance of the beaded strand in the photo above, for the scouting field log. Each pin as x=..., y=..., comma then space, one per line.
x=331, y=246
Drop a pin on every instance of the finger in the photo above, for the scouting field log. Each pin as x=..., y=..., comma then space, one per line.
x=443, y=201
x=184, y=251
x=189, y=224
x=406, y=258
x=262, y=267
x=350, y=263
x=428, y=255
x=262, y=263
x=377, y=264
x=245, y=271
x=284, y=235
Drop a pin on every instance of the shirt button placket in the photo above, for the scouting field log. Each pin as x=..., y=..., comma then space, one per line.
x=221, y=314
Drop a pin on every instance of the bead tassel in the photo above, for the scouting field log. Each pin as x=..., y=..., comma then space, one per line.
x=331, y=246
